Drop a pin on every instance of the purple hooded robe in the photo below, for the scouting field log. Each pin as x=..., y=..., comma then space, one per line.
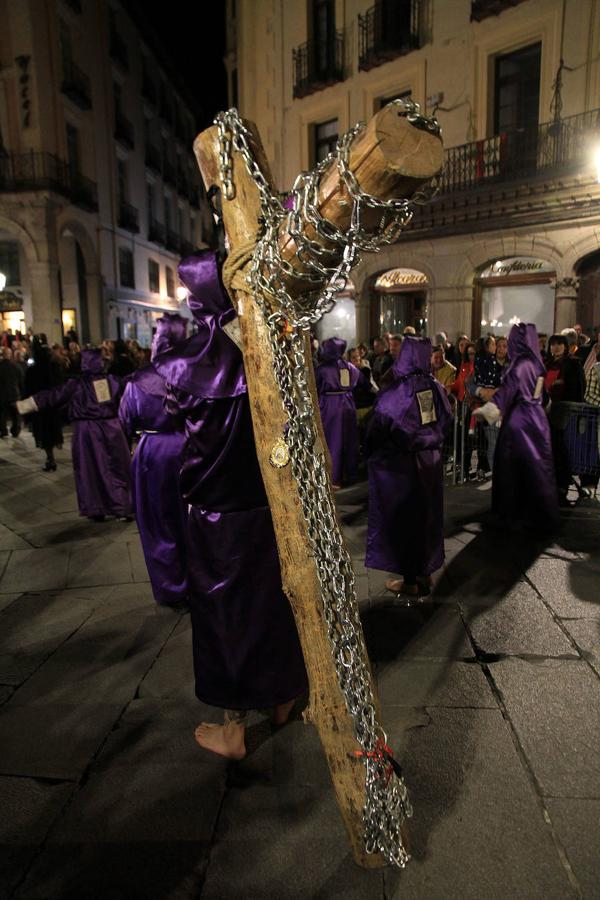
x=158, y=505
x=404, y=440
x=247, y=654
x=100, y=451
x=524, y=482
x=336, y=380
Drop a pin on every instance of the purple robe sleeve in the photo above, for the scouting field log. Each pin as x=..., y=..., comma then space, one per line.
x=508, y=392
x=127, y=411
x=54, y=398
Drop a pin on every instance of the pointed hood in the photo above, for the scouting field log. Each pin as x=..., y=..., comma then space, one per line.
x=171, y=329
x=92, y=362
x=414, y=357
x=332, y=349
x=523, y=342
x=208, y=364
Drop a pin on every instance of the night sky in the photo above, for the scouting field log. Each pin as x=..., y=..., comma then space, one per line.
x=189, y=39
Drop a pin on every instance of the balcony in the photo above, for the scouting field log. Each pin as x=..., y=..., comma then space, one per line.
x=169, y=173
x=194, y=196
x=481, y=9
x=76, y=85
x=186, y=248
x=541, y=174
x=152, y=158
x=156, y=232
x=45, y=172
x=128, y=217
x=124, y=130
x=318, y=64
x=387, y=31
x=118, y=50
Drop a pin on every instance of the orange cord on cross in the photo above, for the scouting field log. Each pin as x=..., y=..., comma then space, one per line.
x=381, y=752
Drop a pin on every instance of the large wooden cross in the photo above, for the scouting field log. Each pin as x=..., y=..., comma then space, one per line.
x=391, y=158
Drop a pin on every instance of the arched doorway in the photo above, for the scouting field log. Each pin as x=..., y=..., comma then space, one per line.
x=400, y=299
x=73, y=286
x=588, y=295
x=511, y=290
x=15, y=297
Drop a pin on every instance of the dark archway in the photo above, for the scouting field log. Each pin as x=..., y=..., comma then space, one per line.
x=588, y=295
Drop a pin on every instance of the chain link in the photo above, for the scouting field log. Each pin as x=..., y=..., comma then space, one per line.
x=387, y=803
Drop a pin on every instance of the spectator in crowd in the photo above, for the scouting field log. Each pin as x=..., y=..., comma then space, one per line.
x=395, y=345
x=404, y=440
x=381, y=359
x=336, y=380
x=524, y=487
x=502, y=359
x=592, y=390
x=443, y=371
x=563, y=381
x=543, y=345
x=441, y=340
x=121, y=363
x=74, y=358
x=46, y=424
x=593, y=355
x=366, y=389
x=11, y=390
x=572, y=341
x=409, y=331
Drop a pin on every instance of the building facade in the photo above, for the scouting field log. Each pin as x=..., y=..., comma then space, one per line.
x=99, y=190
x=514, y=233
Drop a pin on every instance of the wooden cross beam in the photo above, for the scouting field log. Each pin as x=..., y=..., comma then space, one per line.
x=391, y=158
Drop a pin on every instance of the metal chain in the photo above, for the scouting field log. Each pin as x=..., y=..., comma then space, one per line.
x=387, y=803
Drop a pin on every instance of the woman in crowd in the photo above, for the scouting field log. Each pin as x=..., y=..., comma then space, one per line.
x=46, y=424
x=159, y=508
x=100, y=451
x=366, y=389
x=336, y=380
x=404, y=441
x=563, y=381
x=524, y=486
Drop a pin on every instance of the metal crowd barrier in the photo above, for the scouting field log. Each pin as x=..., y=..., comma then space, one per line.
x=467, y=448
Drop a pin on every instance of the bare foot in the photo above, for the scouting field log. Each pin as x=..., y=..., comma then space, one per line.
x=397, y=586
x=281, y=712
x=226, y=740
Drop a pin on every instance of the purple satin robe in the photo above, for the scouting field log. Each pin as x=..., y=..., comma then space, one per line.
x=247, y=654
x=336, y=380
x=406, y=491
x=100, y=451
x=524, y=482
x=159, y=508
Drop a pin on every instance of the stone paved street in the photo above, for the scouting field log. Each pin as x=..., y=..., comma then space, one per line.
x=491, y=695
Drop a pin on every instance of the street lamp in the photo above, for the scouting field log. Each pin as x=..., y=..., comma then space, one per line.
x=181, y=293
x=2, y=281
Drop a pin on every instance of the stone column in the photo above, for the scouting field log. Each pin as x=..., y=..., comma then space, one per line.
x=45, y=300
x=565, y=309
x=449, y=310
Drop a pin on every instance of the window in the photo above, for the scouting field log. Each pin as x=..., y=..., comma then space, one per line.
x=73, y=148
x=517, y=89
x=153, y=276
x=150, y=200
x=323, y=30
x=66, y=51
x=401, y=95
x=118, y=98
x=170, y=277
x=9, y=262
x=325, y=139
x=121, y=181
x=126, y=269
x=167, y=213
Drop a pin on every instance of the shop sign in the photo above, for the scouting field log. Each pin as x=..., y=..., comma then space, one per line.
x=10, y=302
x=401, y=278
x=516, y=266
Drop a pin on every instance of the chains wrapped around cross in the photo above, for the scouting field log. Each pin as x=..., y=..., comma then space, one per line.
x=285, y=269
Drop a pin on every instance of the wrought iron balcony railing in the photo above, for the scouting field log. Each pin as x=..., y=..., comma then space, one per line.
x=552, y=147
x=318, y=64
x=124, y=130
x=481, y=9
x=76, y=85
x=118, y=50
x=152, y=158
x=156, y=231
x=388, y=30
x=128, y=217
x=173, y=242
x=46, y=172
x=169, y=173
x=149, y=91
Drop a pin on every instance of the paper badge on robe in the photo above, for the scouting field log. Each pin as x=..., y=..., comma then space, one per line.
x=539, y=387
x=102, y=390
x=345, y=378
x=232, y=330
x=426, y=407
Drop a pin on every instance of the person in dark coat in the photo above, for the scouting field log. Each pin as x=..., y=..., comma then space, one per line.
x=46, y=424
x=336, y=379
x=11, y=390
x=158, y=505
x=247, y=654
x=404, y=443
x=524, y=486
x=564, y=382
x=100, y=450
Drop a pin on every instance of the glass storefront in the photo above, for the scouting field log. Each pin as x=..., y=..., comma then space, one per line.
x=516, y=289
x=401, y=301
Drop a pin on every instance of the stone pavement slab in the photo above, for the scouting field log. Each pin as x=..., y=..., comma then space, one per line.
x=571, y=587
x=553, y=706
x=433, y=682
x=586, y=635
x=7, y=599
x=172, y=675
x=428, y=631
x=9, y=540
x=577, y=824
x=35, y=570
x=97, y=562
x=29, y=807
x=477, y=831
